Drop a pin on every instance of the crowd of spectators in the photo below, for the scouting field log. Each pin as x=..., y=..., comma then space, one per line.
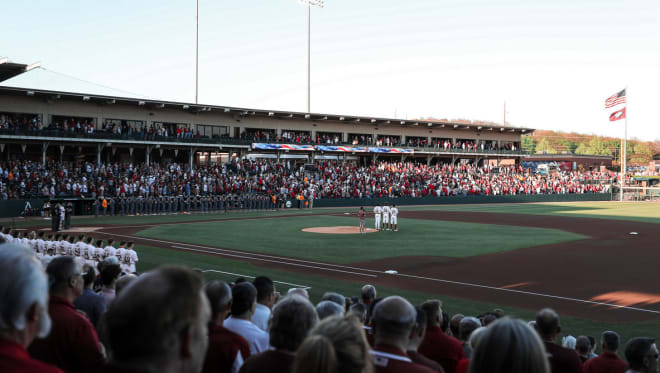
x=286, y=180
x=169, y=320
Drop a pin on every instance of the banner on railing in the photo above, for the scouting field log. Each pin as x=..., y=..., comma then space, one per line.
x=392, y=150
x=346, y=149
x=263, y=146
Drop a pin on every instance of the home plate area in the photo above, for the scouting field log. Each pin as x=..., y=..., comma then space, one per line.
x=338, y=230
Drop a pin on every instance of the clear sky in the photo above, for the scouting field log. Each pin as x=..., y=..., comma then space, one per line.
x=553, y=62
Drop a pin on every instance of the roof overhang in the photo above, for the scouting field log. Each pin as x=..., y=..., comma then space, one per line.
x=9, y=70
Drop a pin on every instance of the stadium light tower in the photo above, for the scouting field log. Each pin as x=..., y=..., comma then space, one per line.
x=196, y=50
x=309, y=3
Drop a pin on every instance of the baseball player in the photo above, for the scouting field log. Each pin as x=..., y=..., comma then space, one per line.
x=393, y=220
x=121, y=254
x=361, y=215
x=386, y=217
x=109, y=250
x=377, y=213
x=132, y=257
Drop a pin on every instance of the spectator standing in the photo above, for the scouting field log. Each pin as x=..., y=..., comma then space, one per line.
x=23, y=310
x=608, y=361
x=437, y=345
x=265, y=299
x=227, y=350
x=417, y=336
x=293, y=318
x=89, y=302
x=158, y=324
x=642, y=355
x=243, y=305
x=73, y=344
x=562, y=360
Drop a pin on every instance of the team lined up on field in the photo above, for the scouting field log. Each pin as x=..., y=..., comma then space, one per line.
x=91, y=252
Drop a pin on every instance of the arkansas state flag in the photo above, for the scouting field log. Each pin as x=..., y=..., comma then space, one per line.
x=619, y=114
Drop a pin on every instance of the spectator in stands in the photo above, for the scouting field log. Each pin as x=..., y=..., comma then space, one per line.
x=360, y=311
x=582, y=347
x=465, y=329
x=335, y=297
x=454, y=323
x=89, y=302
x=243, y=305
x=437, y=345
x=73, y=344
x=335, y=345
x=227, y=350
x=509, y=346
x=123, y=282
x=23, y=309
x=608, y=361
x=417, y=336
x=562, y=360
x=464, y=364
x=328, y=308
x=368, y=294
x=265, y=300
x=158, y=324
x=293, y=318
x=298, y=291
x=642, y=355
x=393, y=321
x=109, y=276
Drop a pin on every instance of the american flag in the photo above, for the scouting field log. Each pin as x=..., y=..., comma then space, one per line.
x=616, y=99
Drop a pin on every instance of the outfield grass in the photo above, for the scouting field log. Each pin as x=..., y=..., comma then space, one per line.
x=283, y=236
x=647, y=212
x=151, y=257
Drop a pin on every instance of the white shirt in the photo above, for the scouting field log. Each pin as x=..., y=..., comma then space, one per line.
x=394, y=211
x=110, y=251
x=378, y=210
x=386, y=211
x=257, y=339
x=261, y=317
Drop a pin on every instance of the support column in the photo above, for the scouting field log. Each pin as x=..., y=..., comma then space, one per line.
x=428, y=160
x=278, y=154
x=44, y=147
x=62, y=153
x=148, y=154
x=99, y=148
x=190, y=157
x=344, y=137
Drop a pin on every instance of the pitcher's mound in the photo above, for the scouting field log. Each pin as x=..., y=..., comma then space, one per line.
x=337, y=230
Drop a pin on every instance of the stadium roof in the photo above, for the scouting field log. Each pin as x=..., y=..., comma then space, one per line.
x=244, y=112
x=9, y=70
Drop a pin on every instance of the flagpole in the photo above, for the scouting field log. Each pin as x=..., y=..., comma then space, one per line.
x=625, y=148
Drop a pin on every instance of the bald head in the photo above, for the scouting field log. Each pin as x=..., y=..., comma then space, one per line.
x=394, y=318
x=547, y=323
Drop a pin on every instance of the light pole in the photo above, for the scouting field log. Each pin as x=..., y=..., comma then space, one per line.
x=309, y=3
x=196, y=50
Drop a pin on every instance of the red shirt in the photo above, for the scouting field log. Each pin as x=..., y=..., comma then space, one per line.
x=442, y=348
x=72, y=344
x=389, y=359
x=607, y=362
x=224, y=345
x=15, y=359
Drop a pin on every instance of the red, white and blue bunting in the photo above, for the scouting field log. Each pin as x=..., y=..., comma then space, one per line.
x=263, y=146
x=391, y=150
x=346, y=149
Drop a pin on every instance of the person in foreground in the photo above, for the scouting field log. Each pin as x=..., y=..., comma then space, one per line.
x=293, y=318
x=72, y=344
x=509, y=346
x=393, y=322
x=562, y=360
x=23, y=309
x=642, y=355
x=158, y=324
x=335, y=345
x=608, y=361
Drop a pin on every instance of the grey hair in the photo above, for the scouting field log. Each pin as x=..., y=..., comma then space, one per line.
x=509, y=346
x=467, y=325
x=22, y=283
x=368, y=292
x=335, y=297
x=293, y=318
x=327, y=308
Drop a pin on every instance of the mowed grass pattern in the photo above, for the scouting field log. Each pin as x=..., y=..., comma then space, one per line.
x=283, y=236
x=151, y=257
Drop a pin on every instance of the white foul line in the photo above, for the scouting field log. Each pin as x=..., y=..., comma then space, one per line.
x=256, y=256
x=241, y=275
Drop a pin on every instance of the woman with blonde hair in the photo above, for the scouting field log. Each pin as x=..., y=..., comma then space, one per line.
x=335, y=345
x=509, y=346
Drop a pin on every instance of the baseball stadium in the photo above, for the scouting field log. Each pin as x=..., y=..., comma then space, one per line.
x=164, y=200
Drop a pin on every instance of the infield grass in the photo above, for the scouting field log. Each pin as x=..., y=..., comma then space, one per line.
x=283, y=236
x=151, y=257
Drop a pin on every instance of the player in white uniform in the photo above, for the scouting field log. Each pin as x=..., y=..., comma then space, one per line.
x=121, y=254
x=386, y=217
x=377, y=212
x=133, y=258
x=110, y=250
x=393, y=220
